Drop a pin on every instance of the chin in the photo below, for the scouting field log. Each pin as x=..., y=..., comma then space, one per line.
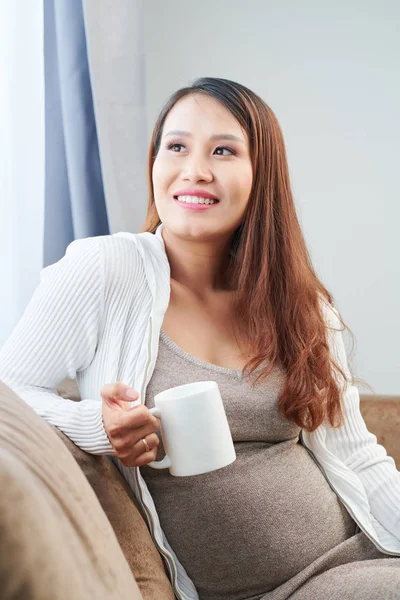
x=191, y=230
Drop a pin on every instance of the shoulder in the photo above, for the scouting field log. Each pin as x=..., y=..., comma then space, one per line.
x=117, y=246
x=105, y=253
x=120, y=257
x=329, y=312
x=80, y=263
x=131, y=248
x=128, y=263
x=335, y=338
x=123, y=259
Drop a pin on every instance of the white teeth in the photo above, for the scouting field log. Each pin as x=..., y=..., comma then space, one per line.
x=196, y=200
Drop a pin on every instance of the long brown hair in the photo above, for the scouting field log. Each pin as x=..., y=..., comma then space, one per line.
x=277, y=289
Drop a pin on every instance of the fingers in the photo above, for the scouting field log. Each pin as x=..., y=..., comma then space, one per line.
x=138, y=455
x=129, y=422
x=119, y=393
x=127, y=425
x=153, y=442
x=126, y=443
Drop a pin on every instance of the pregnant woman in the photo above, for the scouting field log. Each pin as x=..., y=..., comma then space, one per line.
x=219, y=286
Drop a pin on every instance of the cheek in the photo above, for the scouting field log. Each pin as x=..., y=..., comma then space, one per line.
x=162, y=171
x=243, y=186
x=156, y=173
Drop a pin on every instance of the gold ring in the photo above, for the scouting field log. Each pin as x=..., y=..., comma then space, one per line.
x=146, y=445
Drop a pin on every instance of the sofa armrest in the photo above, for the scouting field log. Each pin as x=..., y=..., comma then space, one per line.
x=122, y=510
x=56, y=542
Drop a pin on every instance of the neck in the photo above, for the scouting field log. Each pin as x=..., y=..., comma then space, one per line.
x=202, y=267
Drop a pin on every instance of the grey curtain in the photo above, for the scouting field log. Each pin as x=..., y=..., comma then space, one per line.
x=95, y=120
x=74, y=196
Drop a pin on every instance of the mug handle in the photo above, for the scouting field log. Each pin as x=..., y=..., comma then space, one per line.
x=166, y=461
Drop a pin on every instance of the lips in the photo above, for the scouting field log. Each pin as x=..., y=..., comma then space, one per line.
x=196, y=206
x=197, y=196
x=199, y=193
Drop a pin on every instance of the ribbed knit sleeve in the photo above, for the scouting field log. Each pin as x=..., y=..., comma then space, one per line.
x=358, y=448
x=56, y=337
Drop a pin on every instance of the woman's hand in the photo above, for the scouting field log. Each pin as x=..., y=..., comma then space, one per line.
x=127, y=426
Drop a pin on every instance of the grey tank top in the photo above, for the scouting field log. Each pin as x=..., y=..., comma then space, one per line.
x=245, y=529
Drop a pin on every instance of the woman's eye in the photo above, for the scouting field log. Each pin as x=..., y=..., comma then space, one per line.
x=174, y=145
x=225, y=148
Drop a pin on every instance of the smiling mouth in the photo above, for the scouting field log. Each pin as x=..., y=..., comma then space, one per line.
x=196, y=200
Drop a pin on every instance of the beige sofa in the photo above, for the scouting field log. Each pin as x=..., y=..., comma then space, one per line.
x=69, y=524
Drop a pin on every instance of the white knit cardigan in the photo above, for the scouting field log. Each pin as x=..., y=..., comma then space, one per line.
x=96, y=316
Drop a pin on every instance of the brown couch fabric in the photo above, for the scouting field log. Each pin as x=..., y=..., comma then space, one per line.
x=382, y=417
x=55, y=540
x=121, y=508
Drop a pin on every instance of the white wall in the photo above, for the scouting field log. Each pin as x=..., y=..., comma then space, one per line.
x=330, y=72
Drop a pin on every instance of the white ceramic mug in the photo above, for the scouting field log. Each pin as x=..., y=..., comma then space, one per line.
x=194, y=428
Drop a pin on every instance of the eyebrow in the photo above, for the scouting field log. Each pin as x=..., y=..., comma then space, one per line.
x=218, y=136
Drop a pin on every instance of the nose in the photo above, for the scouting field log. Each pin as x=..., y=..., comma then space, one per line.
x=196, y=169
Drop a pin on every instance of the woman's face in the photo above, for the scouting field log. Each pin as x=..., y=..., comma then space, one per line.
x=199, y=158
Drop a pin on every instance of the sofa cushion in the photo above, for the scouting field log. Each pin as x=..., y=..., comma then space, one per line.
x=382, y=417
x=56, y=543
x=122, y=510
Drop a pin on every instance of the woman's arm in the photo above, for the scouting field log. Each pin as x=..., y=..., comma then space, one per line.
x=358, y=448
x=56, y=337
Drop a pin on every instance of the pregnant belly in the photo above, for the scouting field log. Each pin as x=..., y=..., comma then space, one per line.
x=247, y=528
